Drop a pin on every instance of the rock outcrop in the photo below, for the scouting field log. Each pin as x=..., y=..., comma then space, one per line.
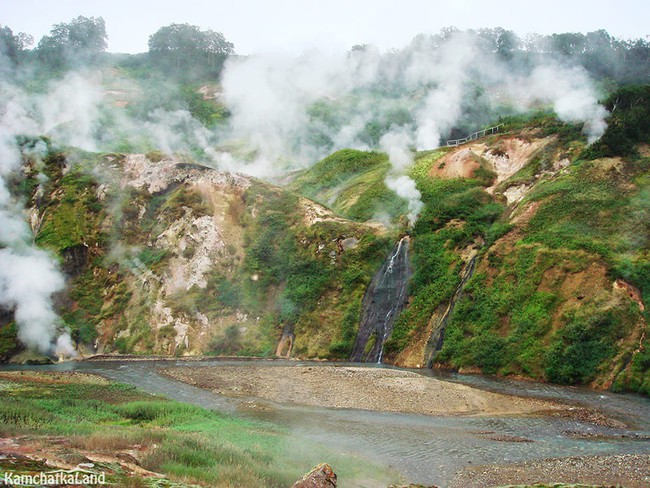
x=322, y=476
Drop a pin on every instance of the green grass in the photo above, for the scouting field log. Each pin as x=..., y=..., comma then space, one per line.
x=435, y=244
x=601, y=210
x=8, y=341
x=73, y=215
x=338, y=168
x=506, y=326
x=351, y=182
x=546, y=122
x=504, y=323
x=186, y=443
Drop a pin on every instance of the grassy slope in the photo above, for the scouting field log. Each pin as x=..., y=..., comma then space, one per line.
x=456, y=212
x=539, y=304
x=351, y=183
x=301, y=269
x=75, y=417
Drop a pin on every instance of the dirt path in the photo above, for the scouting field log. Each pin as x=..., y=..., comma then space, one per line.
x=356, y=387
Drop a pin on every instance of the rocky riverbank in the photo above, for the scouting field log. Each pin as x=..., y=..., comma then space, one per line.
x=628, y=470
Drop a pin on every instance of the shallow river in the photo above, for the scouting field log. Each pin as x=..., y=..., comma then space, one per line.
x=423, y=449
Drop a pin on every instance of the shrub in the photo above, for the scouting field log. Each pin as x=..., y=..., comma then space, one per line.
x=579, y=348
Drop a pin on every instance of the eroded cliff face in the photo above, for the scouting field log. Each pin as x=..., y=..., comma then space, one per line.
x=382, y=304
x=196, y=239
x=164, y=256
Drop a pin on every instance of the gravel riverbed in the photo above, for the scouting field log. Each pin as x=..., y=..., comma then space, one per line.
x=627, y=470
x=357, y=387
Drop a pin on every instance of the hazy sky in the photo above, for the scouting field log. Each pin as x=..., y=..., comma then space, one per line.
x=294, y=25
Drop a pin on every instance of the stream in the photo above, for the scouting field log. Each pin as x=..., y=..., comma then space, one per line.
x=423, y=449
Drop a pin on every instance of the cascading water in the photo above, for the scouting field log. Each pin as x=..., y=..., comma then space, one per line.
x=434, y=344
x=382, y=303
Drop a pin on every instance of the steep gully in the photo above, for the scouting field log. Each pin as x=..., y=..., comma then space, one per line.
x=434, y=344
x=382, y=303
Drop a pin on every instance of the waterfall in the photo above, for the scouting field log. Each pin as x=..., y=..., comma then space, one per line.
x=434, y=344
x=382, y=303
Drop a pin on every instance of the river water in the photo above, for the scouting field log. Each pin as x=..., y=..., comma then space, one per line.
x=423, y=449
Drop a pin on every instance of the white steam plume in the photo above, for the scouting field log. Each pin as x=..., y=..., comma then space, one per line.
x=447, y=69
x=572, y=94
x=29, y=277
x=397, y=144
x=287, y=113
x=292, y=112
x=269, y=98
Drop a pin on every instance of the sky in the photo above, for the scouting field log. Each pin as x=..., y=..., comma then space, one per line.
x=296, y=25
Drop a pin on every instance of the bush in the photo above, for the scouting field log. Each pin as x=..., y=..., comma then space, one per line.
x=577, y=350
x=628, y=125
x=227, y=343
x=8, y=341
x=487, y=352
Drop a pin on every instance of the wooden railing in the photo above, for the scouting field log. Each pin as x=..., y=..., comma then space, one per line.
x=474, y=136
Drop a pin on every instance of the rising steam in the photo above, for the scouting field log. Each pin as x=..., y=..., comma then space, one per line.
x=291, y=112
x=29, y=277
x=573, y=96
x=397, y=144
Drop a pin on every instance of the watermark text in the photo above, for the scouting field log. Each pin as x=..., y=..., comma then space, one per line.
x=53, y=478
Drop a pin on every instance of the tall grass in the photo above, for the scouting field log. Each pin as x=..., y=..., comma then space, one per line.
x=186, y=443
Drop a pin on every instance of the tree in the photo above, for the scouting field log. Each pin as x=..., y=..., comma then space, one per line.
x=216, y=44
x=182, y=45
x=12, y=46
x=537, y=43
x=506, y=42
x=498, y=40
x=569, y=43
x=598, y=41
x=79, y=41
x=600, y=57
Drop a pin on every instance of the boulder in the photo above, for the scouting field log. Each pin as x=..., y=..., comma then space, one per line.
x=322, y=476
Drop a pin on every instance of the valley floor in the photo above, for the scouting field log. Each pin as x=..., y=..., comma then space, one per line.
x=381, y=389
x=58, y=420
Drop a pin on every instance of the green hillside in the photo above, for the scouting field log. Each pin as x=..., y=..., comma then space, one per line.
x=530, y=256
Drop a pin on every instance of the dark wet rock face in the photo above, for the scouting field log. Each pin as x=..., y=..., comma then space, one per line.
x=322, y=476
x=383, y=302
x=75, y=260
